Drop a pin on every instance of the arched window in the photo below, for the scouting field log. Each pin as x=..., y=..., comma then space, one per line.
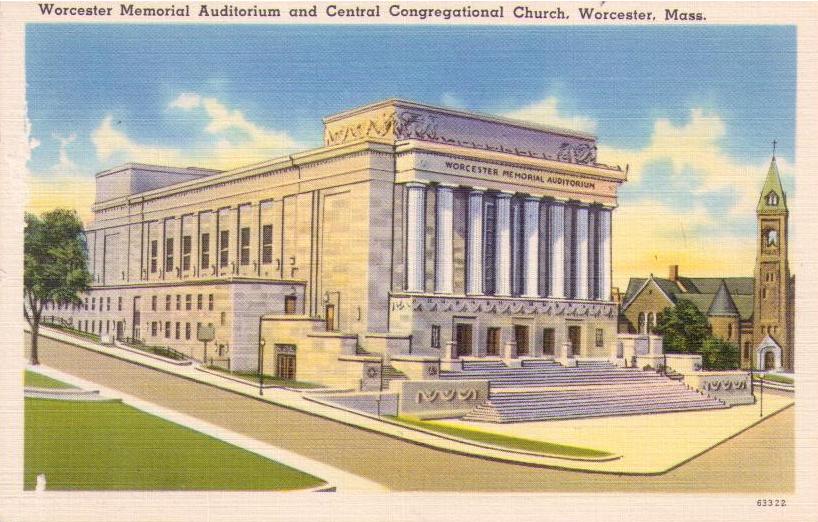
x=729, y=331
x=642, y=322
x=771, y=238
x=772, y=199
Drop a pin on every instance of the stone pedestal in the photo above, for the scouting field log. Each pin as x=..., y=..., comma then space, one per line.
x=510, y=350
x=564, y=356
x=449, y=361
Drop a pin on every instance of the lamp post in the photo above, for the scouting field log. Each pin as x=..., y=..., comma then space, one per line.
x=261, y=344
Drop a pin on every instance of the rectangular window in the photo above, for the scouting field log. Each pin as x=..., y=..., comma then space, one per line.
x=199, y=302
x=107, y=304
x=289, y=304
x=435, y=336
x=223, y=318
x=154, y=300
x=154, y=328
x=154, y=254
x=489, y=247
x=267, y=244
x=187, y=246
x=178, y=301
x=205, y=253
x=167, y=329
x=93, y=303
x=599, y=342
x=493, y=341
x=187, y=331
x=167, y=302
x=188, y=302
x=178, y=329
x=86, y=303
x=168, y=254
x=210, y=302
x=119, y=304
x=224, y=248
x=244, y=242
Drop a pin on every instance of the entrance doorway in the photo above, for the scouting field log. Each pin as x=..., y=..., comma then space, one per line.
x=548, y=341
x=521, y=338
x=285, y=361
x=574, y=338
x=136, y=319
x=463, y=339
x=769, y=360
x=329, y=315
x=120, y=330
x=493, y=342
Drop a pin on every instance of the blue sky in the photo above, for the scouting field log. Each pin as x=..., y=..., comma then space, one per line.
x=100, y=95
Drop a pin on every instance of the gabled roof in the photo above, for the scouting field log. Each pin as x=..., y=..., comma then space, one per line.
x=772, y=184
x=722, y=303
x=701, y=291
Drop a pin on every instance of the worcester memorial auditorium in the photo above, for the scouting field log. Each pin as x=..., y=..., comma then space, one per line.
x=418, y=244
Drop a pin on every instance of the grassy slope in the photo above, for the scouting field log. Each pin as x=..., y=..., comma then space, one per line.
x=507, y=441
x=268, y=379
x=112, y=446
x=38, y=380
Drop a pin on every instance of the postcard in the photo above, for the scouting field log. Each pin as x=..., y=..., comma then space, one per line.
x=432, y=260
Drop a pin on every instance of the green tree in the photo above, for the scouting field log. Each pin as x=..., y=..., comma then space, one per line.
x=683, y=327
x=718, y=354
x=55, y=268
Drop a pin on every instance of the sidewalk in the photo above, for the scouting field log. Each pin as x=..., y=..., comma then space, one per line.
x=640, y=459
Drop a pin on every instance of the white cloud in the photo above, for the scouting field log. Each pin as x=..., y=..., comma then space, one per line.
x=228, y=139
x=63, y=184
x=33, y=143
x=692, y=160
x=547, y=112
x=186, y=100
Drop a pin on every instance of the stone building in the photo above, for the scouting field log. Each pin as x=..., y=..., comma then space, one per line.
x=756, y=313
x=415, y=235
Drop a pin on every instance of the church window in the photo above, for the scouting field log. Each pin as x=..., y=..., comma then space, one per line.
x=764, y=293
x=772, y=238
x=772, y=199
x=729, y=331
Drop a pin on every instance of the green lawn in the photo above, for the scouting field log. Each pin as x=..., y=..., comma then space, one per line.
x=496, y=439
x=38, y=380
x=778, y=378
x=268, y=379
x=73, y=331
x=112, y=446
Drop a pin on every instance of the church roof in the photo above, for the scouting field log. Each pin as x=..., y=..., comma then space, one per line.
x=701, y=291
x=772, y=184
x=722, y=303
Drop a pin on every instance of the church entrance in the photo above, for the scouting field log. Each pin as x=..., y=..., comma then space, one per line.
x=769, y=361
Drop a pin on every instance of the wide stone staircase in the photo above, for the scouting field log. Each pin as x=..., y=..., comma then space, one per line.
x=545, y=390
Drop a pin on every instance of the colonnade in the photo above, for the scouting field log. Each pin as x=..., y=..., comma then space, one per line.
x=537, y=247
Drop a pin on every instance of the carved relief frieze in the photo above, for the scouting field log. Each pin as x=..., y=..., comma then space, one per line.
x=504, y=306
x=404, y=124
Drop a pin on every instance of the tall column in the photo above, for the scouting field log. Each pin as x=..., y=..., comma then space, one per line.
x=605, y=253
x=582, y=253
x=474, y=244
x=531, y=237
x=444, y=243
x=503, y=256
x=557, y=285
x=415, y=234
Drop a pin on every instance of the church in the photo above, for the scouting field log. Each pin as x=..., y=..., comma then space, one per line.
x=756, y=313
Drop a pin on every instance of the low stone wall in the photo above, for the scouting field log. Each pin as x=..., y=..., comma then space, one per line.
x=732, y=387
x=417, y=367
x=440, y=399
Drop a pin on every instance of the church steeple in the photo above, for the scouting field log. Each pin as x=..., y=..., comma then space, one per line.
x=772, y=197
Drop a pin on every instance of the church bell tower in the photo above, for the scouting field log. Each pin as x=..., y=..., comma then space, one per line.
x=772, y=346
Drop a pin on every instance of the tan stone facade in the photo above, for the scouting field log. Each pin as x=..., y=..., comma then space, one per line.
x=413, y=225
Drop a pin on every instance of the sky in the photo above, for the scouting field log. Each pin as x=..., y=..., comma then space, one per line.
x=691, y=110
